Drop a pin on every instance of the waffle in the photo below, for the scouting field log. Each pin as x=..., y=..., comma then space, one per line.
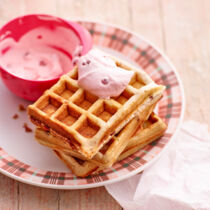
x=85, y=122
x=80, y=168
x=151, y=130
x=108, y=154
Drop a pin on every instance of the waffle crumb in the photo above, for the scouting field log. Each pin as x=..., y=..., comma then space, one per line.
x=27, y=129
x=21, y=107
x=15, y=116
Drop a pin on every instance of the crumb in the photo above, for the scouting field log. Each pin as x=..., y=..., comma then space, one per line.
x=15, y=116
x=21, y=107
x=27, y=129
x=113, y=133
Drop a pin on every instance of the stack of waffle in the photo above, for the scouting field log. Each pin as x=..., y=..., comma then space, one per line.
x=89, y=133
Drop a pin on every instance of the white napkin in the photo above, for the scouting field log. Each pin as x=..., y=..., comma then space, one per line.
x=179, y=180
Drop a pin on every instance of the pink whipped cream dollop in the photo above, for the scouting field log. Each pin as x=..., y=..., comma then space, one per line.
x=99, y=75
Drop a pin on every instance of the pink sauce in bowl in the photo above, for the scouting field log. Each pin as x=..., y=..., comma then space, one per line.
x=35, y=50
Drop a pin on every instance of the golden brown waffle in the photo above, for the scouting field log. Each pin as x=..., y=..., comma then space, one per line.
x=152, y=129
x=108, y=154
x=83, y=121
x=80, y=168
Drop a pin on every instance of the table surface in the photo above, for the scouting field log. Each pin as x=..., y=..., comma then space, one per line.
x=179, y=28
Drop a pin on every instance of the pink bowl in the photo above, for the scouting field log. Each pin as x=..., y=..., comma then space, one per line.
x=32, y=89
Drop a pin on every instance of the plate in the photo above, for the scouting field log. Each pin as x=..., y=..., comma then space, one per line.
x=23, y=159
